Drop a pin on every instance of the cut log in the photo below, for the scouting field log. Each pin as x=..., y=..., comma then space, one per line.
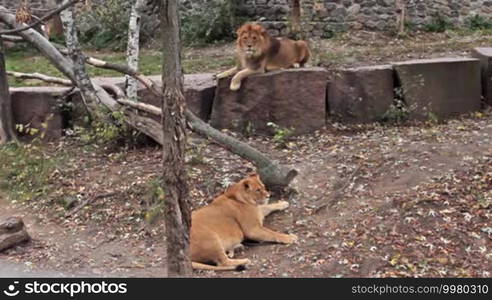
x=12, y=233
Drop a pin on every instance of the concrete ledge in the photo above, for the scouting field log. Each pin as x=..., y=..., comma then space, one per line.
x=294, y=98
x=361, y=95
x=441, y=87
x=485, y=57
x=199, y=91
x=37, y=108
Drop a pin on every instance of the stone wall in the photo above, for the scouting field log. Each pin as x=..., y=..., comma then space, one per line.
x=321, y=18
x=34, y=4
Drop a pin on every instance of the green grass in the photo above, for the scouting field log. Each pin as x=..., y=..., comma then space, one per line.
x=29, y=61
x=26, y=171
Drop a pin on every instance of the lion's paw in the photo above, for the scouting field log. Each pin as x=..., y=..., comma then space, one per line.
x=235, y=85
x=220, y=75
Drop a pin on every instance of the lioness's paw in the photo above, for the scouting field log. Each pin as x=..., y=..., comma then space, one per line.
x=290, y=239
x=281, y=205
x=235, y=85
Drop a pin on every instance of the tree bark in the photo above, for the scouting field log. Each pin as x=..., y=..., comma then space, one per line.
x=7, y=132
x=177, y=208
x=82, y=80
x=133, y=47
x=296, y=16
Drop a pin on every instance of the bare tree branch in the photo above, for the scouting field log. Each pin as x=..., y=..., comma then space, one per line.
x=40, y=20
x=12, y=38
x=39, y=76
x=42, y=44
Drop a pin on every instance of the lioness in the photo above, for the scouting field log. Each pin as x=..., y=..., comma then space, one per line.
x=257, y=52
x=236, y=215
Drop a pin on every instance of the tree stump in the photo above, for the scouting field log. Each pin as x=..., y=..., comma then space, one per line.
x=12, y=233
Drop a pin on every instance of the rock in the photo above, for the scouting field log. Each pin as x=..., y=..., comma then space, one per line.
x=353, y=10
x=485, y=57
x=361, y=94
x=294, y=99
x=440, y=87
x=12, y=233
x=37, y=107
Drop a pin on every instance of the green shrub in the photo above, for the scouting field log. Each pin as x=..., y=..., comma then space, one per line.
x=106, y=25
x=398, y=112
x=438, y=23
x=281, y=135
x=212, y=23
x=115, y=134
x=477, y=22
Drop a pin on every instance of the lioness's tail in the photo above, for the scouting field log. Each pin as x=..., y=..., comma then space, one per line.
x=200, y=266
x=304, y=52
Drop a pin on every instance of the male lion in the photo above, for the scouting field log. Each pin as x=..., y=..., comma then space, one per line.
x=257, y=52
x=220, y=227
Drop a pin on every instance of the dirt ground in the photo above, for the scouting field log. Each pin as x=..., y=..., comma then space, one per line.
x=370, y=201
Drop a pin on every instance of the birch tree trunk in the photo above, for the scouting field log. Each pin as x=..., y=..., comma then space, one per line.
x=400, y=16
x=7, y=132
x=177, y=208
x=133, y=48
x=82, y=80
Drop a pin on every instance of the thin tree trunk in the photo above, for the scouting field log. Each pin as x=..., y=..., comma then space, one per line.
x=400, y=16
x=82, y=80
x=133, y=48
x=7, y=132
x=177, y=209
x=296, y=16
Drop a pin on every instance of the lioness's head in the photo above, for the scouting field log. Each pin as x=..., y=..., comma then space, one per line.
x=250, y=190
x=252, y=39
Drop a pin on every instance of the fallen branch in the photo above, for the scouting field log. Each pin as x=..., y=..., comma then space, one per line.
x=39, y=76
x=12, y=38
x=86, y=202
x=124, y=69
